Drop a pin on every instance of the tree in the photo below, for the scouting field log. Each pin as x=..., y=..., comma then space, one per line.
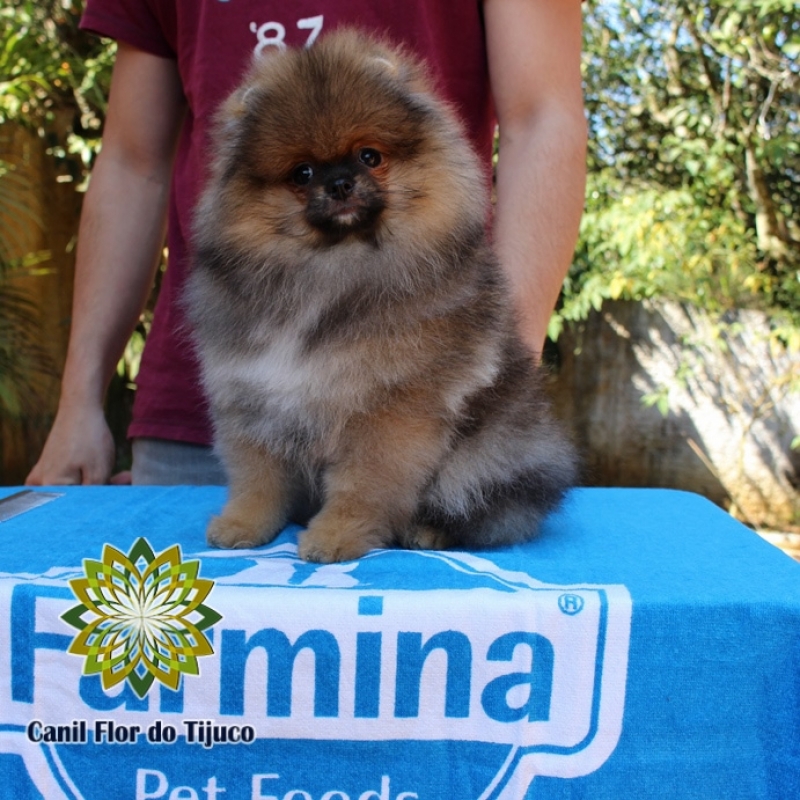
x=694, y=156
x=54, y=77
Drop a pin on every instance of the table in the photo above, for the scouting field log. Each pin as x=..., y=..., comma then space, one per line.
x=644, y=645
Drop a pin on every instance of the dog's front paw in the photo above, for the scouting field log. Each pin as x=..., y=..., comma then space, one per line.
x=229, y=532
x=324, y=545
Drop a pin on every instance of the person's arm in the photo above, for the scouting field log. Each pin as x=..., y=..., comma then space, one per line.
x=534, y=50
x=120, y=238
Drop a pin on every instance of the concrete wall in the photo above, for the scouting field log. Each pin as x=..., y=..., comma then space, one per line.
x=733, y=405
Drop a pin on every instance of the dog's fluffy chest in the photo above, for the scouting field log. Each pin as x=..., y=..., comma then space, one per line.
x=283, y=392
x=281, y=372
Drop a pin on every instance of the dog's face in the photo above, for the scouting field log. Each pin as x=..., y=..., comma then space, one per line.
x=315, y=143
x=342, y=142
x=345, y=196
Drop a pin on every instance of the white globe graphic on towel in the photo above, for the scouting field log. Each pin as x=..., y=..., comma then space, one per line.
x=279, y=565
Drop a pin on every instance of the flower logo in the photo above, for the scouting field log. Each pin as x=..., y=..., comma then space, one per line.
x=146, y=617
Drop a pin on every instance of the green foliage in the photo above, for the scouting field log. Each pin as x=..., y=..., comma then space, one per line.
x=23, y=362
x=694, y=157
x=55, y=77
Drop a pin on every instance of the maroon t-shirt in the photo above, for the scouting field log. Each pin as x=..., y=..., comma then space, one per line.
x=213, y=42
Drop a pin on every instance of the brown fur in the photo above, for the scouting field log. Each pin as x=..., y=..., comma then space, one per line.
x=355, y=331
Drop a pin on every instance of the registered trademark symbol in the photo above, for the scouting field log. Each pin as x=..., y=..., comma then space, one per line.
x=571, y=604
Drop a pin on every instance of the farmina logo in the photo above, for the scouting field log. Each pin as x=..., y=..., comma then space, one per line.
x=390, y=660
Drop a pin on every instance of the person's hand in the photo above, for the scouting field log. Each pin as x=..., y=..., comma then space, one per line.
x=78, y=451
x=120, y=241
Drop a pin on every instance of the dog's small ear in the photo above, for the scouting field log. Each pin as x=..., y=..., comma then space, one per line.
x=238, y=104
x=394, y=65
x=231, y=124
x=382, y=62
x=247, y=100
x=399, y=65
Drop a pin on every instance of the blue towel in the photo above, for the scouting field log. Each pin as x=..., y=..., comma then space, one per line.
x=644, y=645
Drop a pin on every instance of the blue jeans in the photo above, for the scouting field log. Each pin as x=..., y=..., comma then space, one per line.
x=161, y=462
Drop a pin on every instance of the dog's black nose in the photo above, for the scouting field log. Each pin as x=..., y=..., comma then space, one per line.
x=340, y=188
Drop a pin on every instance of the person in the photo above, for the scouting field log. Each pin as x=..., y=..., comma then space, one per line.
x=514, y=62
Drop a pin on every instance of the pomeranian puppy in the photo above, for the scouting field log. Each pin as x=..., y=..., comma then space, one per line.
x=356, y=334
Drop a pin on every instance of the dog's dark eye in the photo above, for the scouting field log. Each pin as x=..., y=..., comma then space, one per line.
x=302, y=174
x=369, y=157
